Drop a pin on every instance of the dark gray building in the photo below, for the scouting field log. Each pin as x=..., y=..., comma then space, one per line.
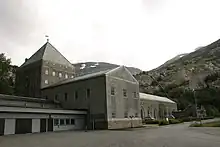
x=45, y=67
x=110, y=97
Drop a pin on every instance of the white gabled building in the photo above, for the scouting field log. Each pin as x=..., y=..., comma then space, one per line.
x=156, y=107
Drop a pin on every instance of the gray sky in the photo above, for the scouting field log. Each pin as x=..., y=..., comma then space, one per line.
x=139, y=33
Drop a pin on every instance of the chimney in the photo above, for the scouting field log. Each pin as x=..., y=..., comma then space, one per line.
x=26, y=59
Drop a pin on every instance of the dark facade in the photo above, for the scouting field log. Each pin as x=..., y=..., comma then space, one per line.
x=47, y=66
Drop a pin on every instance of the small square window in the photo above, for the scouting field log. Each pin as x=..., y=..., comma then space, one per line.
x=67, y=121
x=46, y=72
x=124, y=92
x=56, y=122
x=72, y=76
x=46, y=81
x=72, y=122
x=112, y=90
x=113, y=115
x=53, y=73
x=66, y=76
x=62, y=121
x=60, y=75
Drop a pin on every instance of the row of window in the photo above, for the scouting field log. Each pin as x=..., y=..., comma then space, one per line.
x=60, y=122
x=125, y=115
x=75, y=95
x=59, y=74
x=124, y=91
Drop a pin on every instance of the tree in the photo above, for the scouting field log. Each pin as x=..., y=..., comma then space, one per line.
x=6, y=78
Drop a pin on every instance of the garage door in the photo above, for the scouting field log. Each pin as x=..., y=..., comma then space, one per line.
x=2, y=126
x=42, y=125
x=23, y=126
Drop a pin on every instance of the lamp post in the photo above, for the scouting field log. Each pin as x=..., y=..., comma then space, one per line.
x=195, y=99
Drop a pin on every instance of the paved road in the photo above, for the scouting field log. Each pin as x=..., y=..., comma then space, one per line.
x=168, y=136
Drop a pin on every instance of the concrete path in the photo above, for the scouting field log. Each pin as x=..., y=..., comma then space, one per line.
x=179, y=135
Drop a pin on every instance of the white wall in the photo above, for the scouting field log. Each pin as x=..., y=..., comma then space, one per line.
x=9, y=126
x=35, y=125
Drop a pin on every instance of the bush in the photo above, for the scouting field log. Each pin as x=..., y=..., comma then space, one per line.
x=163, y=122
x=151, y=122
x=174, y=121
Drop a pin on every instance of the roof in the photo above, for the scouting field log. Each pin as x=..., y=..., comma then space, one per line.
x=36, y=110
x=155, y=98
x=21, y=98
x=48, y=53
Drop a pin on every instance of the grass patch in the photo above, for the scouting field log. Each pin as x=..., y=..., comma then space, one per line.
x=209, y=124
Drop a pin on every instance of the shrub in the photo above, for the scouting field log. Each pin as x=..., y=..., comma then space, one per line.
x=163, y=122
x=174, y=121
x=151, y=122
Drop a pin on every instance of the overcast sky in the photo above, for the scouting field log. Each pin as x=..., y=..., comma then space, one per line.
x=139, y=33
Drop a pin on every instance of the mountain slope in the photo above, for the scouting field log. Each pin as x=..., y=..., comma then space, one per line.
x=90, y=67
x=198, y=70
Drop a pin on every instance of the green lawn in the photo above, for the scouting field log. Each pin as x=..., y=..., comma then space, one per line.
x=210, y=124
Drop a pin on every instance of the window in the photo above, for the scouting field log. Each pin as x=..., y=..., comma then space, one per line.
x=62, y=122
x=112, y=90
x=53, y=73
x=136, y=114
x=72, y=76
x=65, y=96
x=126, y=114
x=46, y=81
x=124, y=92
x=67, y=121
x=113, y=115
x=136, y=95
x=76, y=95
x=66, y=76
x=72, y=122
x=56, y=122
x=60, y=75
x=56, y=97
x=88, y=93
x=46, y=72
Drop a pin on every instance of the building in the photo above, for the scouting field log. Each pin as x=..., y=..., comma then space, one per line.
x=156, y=107
x=52, y=97
x=110, y=97
x=19, y=115
x=34, y=75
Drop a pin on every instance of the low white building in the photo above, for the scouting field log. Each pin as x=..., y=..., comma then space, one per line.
x=156, y=107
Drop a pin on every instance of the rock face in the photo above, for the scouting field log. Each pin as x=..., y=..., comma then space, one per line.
x=191, y=71
x=90, y=67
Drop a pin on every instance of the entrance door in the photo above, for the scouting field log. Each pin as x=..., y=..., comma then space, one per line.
x=2, y=126
x=50, y=125
x=42, y=125
x=23, y=126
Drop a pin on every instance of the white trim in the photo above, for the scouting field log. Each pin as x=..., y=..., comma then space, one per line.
x=35, y=110
x=124, y=119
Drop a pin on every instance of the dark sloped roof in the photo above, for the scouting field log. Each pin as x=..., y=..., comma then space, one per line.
x=48, y=53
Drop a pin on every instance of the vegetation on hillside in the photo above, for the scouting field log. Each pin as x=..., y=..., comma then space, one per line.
x=195, y=75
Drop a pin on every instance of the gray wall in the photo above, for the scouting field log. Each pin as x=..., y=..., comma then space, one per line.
x=96, y=104
x=119, y=85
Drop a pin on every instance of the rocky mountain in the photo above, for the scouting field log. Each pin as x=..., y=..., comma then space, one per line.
x=91, y=67
x=183, y=76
